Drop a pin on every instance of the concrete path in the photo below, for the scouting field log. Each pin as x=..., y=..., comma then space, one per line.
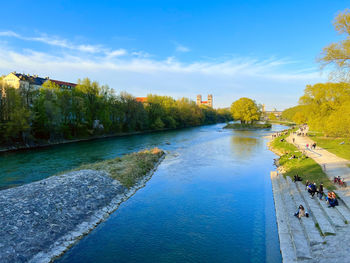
x=331, y=164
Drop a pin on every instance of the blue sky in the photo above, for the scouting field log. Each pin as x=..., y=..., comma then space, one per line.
x=265, y=50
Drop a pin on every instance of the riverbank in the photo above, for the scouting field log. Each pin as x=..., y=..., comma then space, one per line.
x=41, y=220
x=325, y=234
x=286, y=123
x=252, y=126
x=37, y=145
x=294, y=161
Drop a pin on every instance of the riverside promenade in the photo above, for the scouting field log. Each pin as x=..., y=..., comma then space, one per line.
x=325, y=235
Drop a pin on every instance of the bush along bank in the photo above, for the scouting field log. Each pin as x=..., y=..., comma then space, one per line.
x=292, y=161
x=49, y=216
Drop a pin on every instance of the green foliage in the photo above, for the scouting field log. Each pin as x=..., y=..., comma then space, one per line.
x=272, y=117
x=288, y=114
x=53, y=113
x=305, y=167
x=325, y=107
x=337, y=55
x=299, y=118
x=14, y=116
x=245, y=110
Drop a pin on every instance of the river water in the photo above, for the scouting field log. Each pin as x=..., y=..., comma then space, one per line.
x=210, y=200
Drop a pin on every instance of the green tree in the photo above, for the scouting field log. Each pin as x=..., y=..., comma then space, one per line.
x=338, y=54
x=15, y=116
x=245, y=110
x=299, y=118
x=47, y=113
x=272, y=117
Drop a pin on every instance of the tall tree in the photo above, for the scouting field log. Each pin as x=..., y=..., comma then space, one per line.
x=245, y=110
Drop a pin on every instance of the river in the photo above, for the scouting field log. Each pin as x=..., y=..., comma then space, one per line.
x=209, y=201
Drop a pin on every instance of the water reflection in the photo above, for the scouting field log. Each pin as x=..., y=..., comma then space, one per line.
x=243, y=147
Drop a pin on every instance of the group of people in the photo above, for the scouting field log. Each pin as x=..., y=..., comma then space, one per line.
x=312, y=189
x=312, y=146
x=339, y=180
x=278, y=134
x=302, y=130
x=331, y=198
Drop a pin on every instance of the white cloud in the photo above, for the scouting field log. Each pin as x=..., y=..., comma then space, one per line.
x=116, y=53
x=141, y=54
x=268, y=81
x=63, y=43
x=181, y=48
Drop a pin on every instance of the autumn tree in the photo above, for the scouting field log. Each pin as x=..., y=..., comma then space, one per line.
x=245, y=110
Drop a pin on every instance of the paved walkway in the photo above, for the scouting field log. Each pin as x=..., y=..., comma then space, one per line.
x=331, y=164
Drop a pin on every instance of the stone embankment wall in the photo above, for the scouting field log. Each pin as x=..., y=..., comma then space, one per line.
x=322, y=237
x=41, y=220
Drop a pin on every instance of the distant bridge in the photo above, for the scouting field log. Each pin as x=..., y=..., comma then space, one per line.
x=274, y=112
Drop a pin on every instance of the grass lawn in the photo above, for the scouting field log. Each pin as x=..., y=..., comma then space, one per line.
x=305, y=167
x=130, y=168
x=332, y=144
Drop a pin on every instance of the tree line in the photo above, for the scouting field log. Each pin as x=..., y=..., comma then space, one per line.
x=52, y=113
x=325, y=107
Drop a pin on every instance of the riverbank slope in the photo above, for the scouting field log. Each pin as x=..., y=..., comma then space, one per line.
x=321, y=237
x=41, y=220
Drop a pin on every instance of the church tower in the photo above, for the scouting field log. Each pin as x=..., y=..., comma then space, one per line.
x=210, y=100
x=199, y=100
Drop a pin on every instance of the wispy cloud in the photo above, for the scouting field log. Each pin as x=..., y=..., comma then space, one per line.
x=63, y=43
x=270, y=81
x=182, y=48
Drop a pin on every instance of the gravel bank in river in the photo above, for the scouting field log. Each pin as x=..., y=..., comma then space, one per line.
x=41, y=220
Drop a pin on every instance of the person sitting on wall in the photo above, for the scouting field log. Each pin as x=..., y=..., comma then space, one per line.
x=332, y=199
x=333, y=202
x=297, y=178
x=292, y=157
x=301, y=212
